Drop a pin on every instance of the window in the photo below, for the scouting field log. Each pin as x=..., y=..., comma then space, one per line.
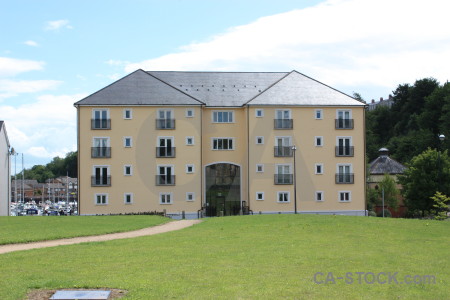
x=319, y=196
x=344, y=146
x=318, y=114
x=101, y=199
x=100, y=119
x=259, y=140
x=127, y=170
x=127, y=114
x=283, y=174
x=128, y=198
x=223, y=117
x=344, y=119
x=189, y=140
x=283, y=119
x=259, y=168
x=345, y=196
x=101, y=176
x=319, y=169
x=165, y=147
x=283, y=146
x=165, y=119
x=101, y=148
x=222, y=144
x=189, y=113
x=344, y=174
x=189, y=169
x=283, y=197
x=190, y=196
x=318, y=141
x=165, y=198
x=259, y=195
x=127, y=142
x=259, y=113
x=165, y=175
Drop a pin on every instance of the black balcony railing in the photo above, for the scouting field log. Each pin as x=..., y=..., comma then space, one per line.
x=283, y=123
x=165, y=123
x=344, y=123
x=283, y=178
x=100, y=123
x=101, y=152
x=165, y=179
x=165, y=151
x=342, y=178
x=345, y=151
x=283, y=151
x=101, y=181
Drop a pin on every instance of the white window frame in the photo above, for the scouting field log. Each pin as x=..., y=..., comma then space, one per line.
x=187, y=169
x=125, y=110
x=125, y=198
x=257, y=168
x=189, y=110
x=283, y=192
x=101, y=194
x=125, y=170
x=192, y=194
x=283, y=165
x=165, y=111
x=108, y=169
x=223, y=138
x=289, y=138
x=165, y=167
x=257, y=111
x=282, y=114
x=259, y=193
x=262, y=140
x=107, y=138
x=322, y=196
x=320, y=112
x=215, y=116
x=321, y=141
x=193, y=141
x=100, y=109
x=170, y=194
x=344, y=165
x=340, y=193
x=125, y=141
x=316, y=166
x=343, y=111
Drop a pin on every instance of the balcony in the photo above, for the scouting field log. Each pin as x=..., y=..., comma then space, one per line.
x=283, y=179
x=101, y=152
x=165, y=123
x=101, y=181
x=343, y=123
x=283, y=151
x=165, y=151
x=345, y=178
x=100, y=124
x=283, y=123
x=165, y=179
x=345, y=151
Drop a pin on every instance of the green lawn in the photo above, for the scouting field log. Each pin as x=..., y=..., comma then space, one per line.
x=250, y=257
x=30, y=229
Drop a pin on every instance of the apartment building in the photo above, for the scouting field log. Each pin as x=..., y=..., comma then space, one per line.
x=220, y=143
x=5, y=168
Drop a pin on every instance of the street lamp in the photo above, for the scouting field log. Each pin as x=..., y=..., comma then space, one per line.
x=441, y=139
x=294, y=148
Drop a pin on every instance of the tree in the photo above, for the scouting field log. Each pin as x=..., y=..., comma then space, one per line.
x=426, y=174
x=391, y=192
x=441, y=206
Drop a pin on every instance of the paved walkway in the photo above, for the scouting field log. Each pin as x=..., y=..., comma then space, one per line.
x=171, y=226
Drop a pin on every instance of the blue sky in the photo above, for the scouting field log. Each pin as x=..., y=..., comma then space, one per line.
x=54, y=53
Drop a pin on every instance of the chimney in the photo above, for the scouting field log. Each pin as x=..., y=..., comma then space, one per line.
x=373, y=101
x=381, y=99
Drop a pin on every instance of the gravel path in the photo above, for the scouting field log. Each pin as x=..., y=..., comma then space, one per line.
x=171, y=226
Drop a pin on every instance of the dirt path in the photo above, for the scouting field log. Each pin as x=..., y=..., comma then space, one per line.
x=171, y=226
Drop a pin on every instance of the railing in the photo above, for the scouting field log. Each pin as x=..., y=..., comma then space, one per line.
x=343, y=178
x=165, y=179
x=343, y=123
x=283, y=123
x=283, y=179
x=283, y=151
x=165, y=151
x=101, y=181
x=344, y=151
x=100, y=152
x=100, y=123
x=165, y=123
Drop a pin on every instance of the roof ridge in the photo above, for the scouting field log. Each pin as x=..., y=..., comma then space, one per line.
x=269, y=87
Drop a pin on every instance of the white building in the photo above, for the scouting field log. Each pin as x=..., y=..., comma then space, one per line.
x=5, y=178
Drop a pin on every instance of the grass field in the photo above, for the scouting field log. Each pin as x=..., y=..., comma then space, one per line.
x=30, y=229
x=249, y=257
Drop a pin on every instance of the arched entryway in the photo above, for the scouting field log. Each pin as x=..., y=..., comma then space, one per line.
x=223, y=189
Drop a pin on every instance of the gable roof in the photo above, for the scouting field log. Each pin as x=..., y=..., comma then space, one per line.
x=218, y=89
x=2, y=128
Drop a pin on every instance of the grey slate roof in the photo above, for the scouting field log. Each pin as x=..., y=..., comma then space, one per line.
x=218, y=89
x=383, y=164
x=1, y=125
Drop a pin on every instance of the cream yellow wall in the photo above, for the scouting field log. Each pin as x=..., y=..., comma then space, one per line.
x=305, y=129
x=142, y=157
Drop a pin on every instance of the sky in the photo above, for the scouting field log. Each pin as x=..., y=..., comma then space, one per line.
x=54, y=53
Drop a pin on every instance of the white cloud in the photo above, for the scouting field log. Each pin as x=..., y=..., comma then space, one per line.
x=58, y=24
x=31, y=43
x=344, y=43
x=114, y=62
x=12, y=66
x=10, y=88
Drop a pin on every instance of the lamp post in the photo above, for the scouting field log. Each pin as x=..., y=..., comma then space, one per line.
x=294, y=148
x=441, y=139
